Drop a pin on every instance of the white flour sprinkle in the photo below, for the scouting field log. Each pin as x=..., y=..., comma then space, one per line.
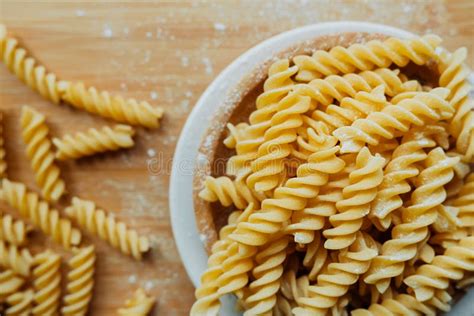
x=207, y=63
x=185, y=105
x=126, y=30
x=149, y=285
x=132, y=279
x=80, y=12
x=154, y=95
x=151, y=153
x=219, y=27
x=188, y=94
x=149, y=34
x=107, y=31
x=184, y=61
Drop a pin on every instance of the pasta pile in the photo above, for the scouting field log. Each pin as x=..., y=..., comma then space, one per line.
x=31, y=283
x=351, y=186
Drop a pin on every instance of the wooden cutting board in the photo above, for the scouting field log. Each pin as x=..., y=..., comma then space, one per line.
x=166, y=53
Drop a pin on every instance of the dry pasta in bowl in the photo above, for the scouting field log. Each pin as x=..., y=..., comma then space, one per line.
x=343, y=183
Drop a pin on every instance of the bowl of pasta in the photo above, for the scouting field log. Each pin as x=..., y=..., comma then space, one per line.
x=332, y=175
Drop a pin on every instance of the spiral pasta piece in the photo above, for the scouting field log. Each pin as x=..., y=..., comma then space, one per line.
x=422, y=108
x=40, y=214
x=465, y=203
x=269, y=162
x=236, y=134
x=19, y=260
x=228, y=192
x=357, y=197
x=10, y=282
x=402, y=304
x=46, y=283
x=12, y=230
x=316, y=257
x=335, y=283
x=128, y=111
x=94, y=141
x=444, y=268
x=19, y=303
x=267, y=274
x=416, y=218
x=207, y=295
x=454, y=74
x=139, y=305
x=27, y=69
x=80, y=282
x=39, y=151
x=351, y=109
x=98, y=222
x=367, y=56
x=318, y=210
x=401, y=168
x=293, y=287
x=276, y=87
x=292, y=196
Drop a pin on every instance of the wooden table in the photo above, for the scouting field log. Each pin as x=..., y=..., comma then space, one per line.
x=166, y=53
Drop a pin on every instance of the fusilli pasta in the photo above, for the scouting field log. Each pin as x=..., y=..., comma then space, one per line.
x=39, y=151
x=98, y=222
x=139, y=305
x=360, y=57
x=9, y=283
x=416, y=218
x=16, y=259
x=357, y=197
x=449, y=266
x=46, y=283
x=13, y=230
x=465, y=203
x=423, y=107
x=19, y=303
x=453, y=76
x=94, y=141
x=3, y=163
x=27, y=69
x=80, y=282
x=334, y=284
x=40, y=214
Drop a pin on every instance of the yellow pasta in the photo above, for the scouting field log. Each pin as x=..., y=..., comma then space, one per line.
x=139, y=305
x=293, y=196
x=75, y=93
x=19, y=303
x=444, y=268
x=269, y=162
x=229, y=192
x=424, y=106
x=46, y=283
x=39, y=151
x=19, y=260
x=9, y=283
x=360, y=176
x=207, y=294
x=267, y=273
x=129, y=111
x=40, y=213
x=276, y=87
x=13, y=230
x=340, y=275
x=80, y=282
x=454, y=75
x=94, y=141
x=357, y=197
x=373, y=54
x=417, y=217
x=399, y=170
x=27, y=69
x=3, y=163
x=98, y=222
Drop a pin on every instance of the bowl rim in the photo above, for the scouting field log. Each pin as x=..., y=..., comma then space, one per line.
x=183, y=221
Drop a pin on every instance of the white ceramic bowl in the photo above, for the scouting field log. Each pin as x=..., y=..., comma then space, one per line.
x=183, y=218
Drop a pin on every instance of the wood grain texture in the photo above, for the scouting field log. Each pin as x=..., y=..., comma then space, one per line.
x=167, y=53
